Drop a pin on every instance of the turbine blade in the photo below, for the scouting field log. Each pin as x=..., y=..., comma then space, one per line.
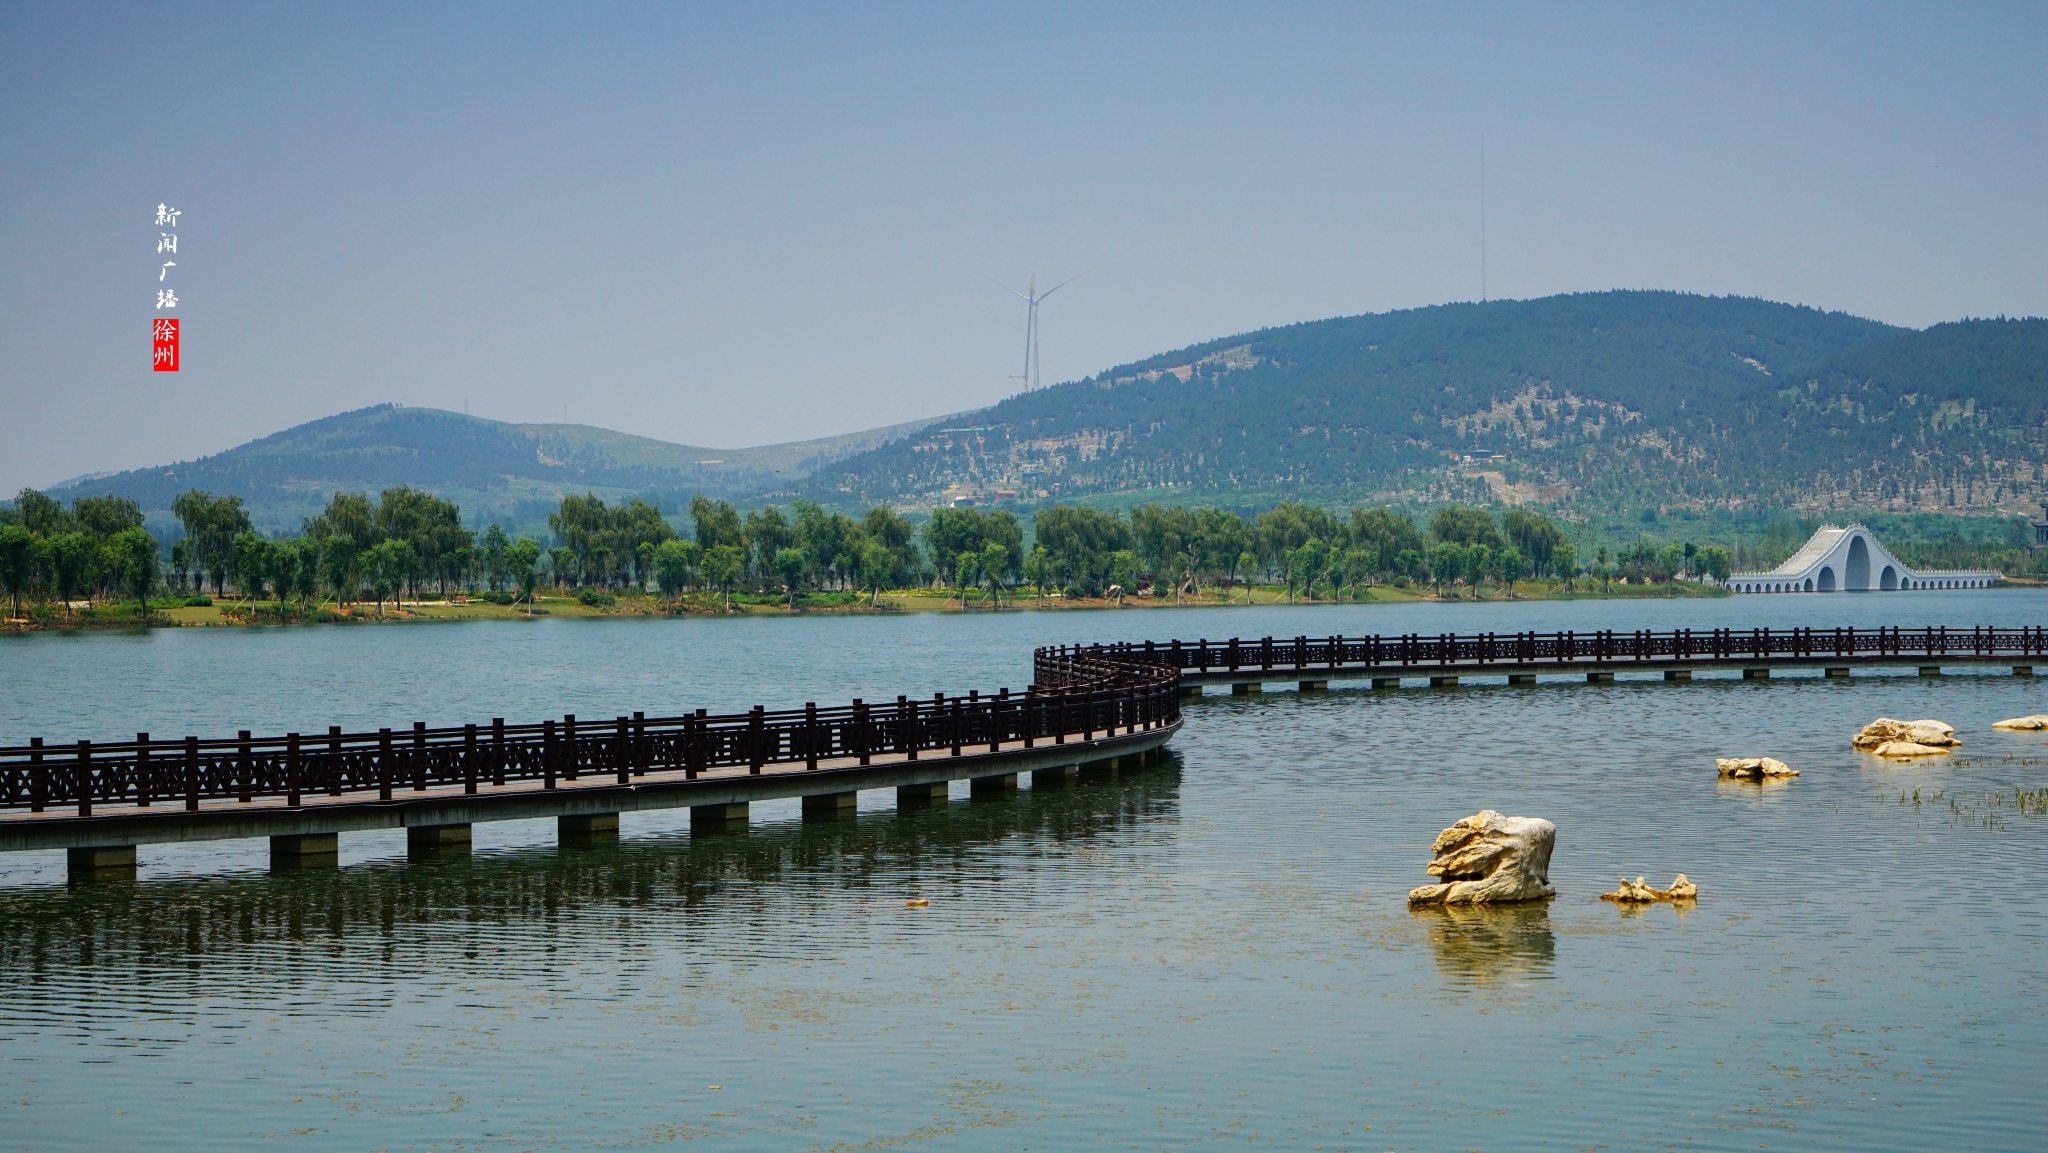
x=1001, y=285
x=1061, y=284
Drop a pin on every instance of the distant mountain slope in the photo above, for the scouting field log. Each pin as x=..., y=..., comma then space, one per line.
x=1613, y=399
x=491, y=468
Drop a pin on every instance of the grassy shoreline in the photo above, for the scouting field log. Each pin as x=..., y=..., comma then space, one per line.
x=230, y=613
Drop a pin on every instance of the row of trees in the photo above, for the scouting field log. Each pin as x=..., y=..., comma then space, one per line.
x=405, y=540
x=96, y=547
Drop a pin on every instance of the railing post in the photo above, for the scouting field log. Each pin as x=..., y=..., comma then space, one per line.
x=191, y=773
x=85, y=778
x=906, y=726
x=142, y=770
x=810, y=734
x=701, y=747
x=469, y=759
x=547, y=754
x=570, y=752
x=622, y=765
x=641, y=760
x=291, y=770
x=245, y=768
x=952, y=719
x=1058, y=708
x=497, y=751
x=333, y=773
x=419, y=756
x=995, y=721
x=1029, y=725
x=383, y=764
x=38, y=776
x=862, y=736
x=757, y=740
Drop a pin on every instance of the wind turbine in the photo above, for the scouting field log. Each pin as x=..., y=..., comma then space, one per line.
x=1032, y=297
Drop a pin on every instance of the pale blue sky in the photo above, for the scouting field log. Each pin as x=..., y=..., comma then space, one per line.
x=760, y=223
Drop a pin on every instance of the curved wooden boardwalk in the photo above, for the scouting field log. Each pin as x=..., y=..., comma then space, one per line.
x=1087, y=705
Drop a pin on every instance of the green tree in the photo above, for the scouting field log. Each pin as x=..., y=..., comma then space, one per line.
x=675, y=565
x=1123, y=572
x=1535, y=535
x=790, y=565
x=135, y=554
x=1248, y=563
x=877, y=565
x=1461, y=524
x=1384, y=535
x=722, y=566
x=1038, y=569
x=70, y=558
x=522, y=563
x=17, y=561
x=1564, y=562
x=341, y=560
x=181, y=559
x=995, y=565
x=717, y=523
x=1510, y=563
x=966, y=569
x=492, y=556
x=1081, y=541
x=1478, y=563
x=1715, y=562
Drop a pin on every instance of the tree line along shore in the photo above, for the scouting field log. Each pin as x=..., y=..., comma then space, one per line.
x=406, y=551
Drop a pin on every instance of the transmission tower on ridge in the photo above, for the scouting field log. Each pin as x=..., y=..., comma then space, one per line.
x=1031, y=297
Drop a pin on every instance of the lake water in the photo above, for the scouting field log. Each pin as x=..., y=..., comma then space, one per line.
x=1216, y=951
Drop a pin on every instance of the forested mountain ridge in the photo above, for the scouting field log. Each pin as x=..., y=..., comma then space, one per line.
x=493, y=469
x=1609, y=401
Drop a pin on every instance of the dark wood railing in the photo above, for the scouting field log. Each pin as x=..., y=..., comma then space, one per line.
x=1075, y=696
x=1422, y=652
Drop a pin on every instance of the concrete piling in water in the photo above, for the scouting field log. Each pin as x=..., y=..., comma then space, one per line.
x=585, y=830
x=100, y=863
x=1521, y=678
x=830, y=806
x=1763, y=674
x=1930, y=670
x=1835, y=671
x=2023, y=670
x=934, y=792
x=1386, y=682
x=1599, y=678
x=1677, y=674
x=1246, y=688
x=718, y=818
x=1444, y=681
x=431, y=842
x=1312, y=686
x=305, y=851
x=993, y=788
x=1055, y=778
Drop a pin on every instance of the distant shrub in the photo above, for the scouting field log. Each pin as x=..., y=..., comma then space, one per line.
x=199, y=602
x=595, y=599
x=498, y=598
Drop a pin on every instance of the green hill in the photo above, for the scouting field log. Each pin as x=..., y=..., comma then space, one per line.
x=495, y=471
x=1606, y=401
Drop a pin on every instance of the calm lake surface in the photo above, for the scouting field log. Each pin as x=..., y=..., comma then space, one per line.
x=1216, y=951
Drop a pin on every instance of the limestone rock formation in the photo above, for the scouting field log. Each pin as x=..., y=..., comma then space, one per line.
x=1634, y=892
x=1753, y=768
x=1886, y=737
x=2037, y=721
x=1487, y=857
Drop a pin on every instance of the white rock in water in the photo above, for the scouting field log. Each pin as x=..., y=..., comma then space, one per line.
x=1754, y=768
x=1487, y=857
x=2037, y=721
x=1901, y=749
x=1884, y=730
x=1636, y=892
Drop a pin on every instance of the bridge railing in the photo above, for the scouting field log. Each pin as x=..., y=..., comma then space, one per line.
x=1577, y=649
x=1075, y=696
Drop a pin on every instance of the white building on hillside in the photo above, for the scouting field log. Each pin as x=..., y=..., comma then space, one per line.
x=1849, y=560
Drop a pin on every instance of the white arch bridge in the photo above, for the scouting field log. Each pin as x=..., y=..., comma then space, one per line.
x=1851, y=560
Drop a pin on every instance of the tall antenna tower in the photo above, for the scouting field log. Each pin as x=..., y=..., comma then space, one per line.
x=1482, y=219
x=1032, y=297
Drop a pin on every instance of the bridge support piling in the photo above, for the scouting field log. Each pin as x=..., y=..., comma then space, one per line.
x=1599, y=678
x=100, y=863
x=935, y=792
x=1312, y=686
x=305, y=851
x=830, y=806
x=1102, y=770
x=1677, y=674
x=1386, y=682
x=428, y=842
x=2023, y=670
x=1055, y=778
x=718, y=818
x=1930, y=670
x=584, y=830
x=1246, y=688
x=1191, y=690
x=1835, y=671
x=993, y=788
x=1521, y=678
x=1444, y=681
x=1756, y=674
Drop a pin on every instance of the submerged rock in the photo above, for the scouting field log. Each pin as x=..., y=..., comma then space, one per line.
x=1753, y=768
x=2037, y=721
x=1636, y=892
x=1886, y=737
x=1486, y=858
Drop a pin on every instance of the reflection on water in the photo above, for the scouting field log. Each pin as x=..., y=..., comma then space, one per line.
x=1484, y=943
x=108, y=949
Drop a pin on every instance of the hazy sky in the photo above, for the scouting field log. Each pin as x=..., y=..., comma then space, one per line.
x=740, y=225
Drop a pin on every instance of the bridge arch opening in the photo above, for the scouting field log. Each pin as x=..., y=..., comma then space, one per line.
x=1809, y=586
x=1856, y=571
x=1888, y=579
x=1827, y=579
